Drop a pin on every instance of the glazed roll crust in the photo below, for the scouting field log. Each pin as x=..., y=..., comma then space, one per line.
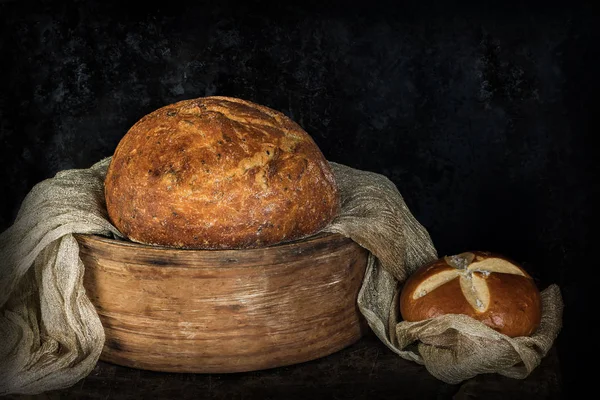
x=485, y=286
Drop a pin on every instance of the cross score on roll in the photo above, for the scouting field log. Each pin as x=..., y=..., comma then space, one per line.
x=485, y=286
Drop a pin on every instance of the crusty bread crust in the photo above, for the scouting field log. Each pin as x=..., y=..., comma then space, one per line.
x=514, y=307
x=216, y=173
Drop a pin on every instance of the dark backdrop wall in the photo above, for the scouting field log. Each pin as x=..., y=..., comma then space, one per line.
x=481, y=116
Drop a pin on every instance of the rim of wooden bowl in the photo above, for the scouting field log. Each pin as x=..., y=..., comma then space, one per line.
x=292, y=248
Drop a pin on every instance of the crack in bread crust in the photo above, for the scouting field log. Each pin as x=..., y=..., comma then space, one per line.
x=219, y=172
x=472, y=272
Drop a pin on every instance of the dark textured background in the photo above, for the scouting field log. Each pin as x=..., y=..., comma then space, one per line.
x=480, y=115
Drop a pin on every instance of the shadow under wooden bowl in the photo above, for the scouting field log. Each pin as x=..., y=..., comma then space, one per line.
x=221, y=311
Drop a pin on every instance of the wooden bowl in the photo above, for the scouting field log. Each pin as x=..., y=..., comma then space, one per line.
x=219, y=311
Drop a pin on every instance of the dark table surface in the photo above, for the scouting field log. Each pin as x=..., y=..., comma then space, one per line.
x=365, y=370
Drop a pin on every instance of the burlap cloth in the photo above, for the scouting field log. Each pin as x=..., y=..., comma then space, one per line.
x=51, y=336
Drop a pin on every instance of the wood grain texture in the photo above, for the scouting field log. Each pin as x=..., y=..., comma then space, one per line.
x=220, y=311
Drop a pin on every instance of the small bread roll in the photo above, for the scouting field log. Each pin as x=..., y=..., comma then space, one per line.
x=487, y=287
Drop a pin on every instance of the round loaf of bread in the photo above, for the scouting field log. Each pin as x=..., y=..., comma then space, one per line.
x=219, y=173
x=485, y=286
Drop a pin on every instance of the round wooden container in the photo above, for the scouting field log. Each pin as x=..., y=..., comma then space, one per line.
x=220, y=311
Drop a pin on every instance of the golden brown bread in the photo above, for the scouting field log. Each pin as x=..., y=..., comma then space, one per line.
x=219, y=172
x=488, y=287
